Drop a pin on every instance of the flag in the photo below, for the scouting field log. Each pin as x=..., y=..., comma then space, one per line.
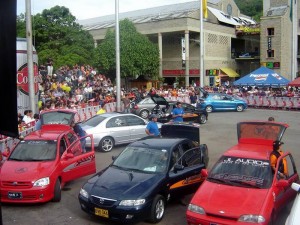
x=204, y=8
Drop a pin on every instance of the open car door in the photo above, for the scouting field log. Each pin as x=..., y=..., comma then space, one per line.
x=78, y=165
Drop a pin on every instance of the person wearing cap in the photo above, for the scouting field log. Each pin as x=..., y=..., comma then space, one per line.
x=275, y=154
x=177, y=113
x=152, y=128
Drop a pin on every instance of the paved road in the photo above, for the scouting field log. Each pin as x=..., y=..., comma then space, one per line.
x=219, y=134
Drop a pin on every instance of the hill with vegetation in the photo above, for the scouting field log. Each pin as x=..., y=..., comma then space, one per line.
x=253, y=8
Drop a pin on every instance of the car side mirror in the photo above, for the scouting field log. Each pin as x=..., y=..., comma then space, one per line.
x=68, y=156
x=282, y=183
x=113, y=158
x=204, y=173
x=178, y=167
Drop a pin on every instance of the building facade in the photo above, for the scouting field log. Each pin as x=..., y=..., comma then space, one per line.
x=228, y=54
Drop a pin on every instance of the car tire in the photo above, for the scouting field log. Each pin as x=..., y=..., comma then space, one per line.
x=57, y=191
x=240, y=108
x=106, y=144
x=203, y=118
x=144, y=114
x=157, y=209
x=209, y=108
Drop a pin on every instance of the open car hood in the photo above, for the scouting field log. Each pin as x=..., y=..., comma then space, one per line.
x=62, y=116
x=159, y=100
x=260, y=132
x=181, y=130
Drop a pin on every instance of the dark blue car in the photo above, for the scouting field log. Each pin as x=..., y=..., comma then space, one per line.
x=221, y=102
x=141, y=180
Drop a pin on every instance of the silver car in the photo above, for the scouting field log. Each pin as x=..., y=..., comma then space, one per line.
x=110, y=129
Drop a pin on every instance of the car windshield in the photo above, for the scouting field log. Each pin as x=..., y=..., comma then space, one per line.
x=94, y=121
x=143, y=159
x=244, y=172
x=34, y=151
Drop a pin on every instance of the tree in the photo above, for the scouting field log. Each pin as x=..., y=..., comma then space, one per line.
x=253, y=8
x=56, y=35
x=138, y=55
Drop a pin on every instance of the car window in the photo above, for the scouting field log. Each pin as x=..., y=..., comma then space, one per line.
x=34, y=150
x=289, y=166
x=134, y=121
x=245, y=172
x=71, y=137
x=148, y=101
x=216, y=97
x=94, y=121
x=62, y=146
x=116, y=122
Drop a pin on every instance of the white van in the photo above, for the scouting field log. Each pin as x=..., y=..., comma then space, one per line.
x=294, y=217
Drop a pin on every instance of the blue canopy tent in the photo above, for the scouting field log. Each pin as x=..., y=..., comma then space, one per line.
x=262, y=77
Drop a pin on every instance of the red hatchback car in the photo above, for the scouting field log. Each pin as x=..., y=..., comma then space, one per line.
x=241, y=187
x=41, y=164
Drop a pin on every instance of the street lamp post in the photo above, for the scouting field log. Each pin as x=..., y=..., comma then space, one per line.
x=118, y=76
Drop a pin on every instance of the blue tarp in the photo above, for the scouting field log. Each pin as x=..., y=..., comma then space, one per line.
x=262, y=77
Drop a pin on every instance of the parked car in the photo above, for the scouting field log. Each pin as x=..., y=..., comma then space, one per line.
x=241, y=187
x=140, y=181
x=45, y=160
x=110, y=129
x=221, y=102
x=163, y=108
x=294, y=217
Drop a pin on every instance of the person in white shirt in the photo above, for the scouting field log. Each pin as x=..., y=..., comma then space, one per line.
x=28, y=118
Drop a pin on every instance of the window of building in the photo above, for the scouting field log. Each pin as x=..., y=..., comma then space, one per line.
x=270, y=53
x=270, y=31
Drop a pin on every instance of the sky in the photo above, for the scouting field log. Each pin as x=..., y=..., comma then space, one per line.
x=85, y=9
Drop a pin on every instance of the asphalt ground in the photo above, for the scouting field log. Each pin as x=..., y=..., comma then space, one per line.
x=219, y=133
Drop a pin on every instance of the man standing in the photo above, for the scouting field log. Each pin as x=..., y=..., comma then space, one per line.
x=152, y=128
x=81, y=133
x=177, y=113
x=126, y=103
x=275, y=154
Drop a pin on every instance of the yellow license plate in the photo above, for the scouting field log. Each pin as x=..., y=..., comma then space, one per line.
x=101, y=212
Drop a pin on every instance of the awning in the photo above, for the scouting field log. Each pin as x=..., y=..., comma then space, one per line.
x=230, y=72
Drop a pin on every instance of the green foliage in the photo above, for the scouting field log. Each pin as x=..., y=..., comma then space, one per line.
x=253, y=8
x=56, y=35
x=138, y=55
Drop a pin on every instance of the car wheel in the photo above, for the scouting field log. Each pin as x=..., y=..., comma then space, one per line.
x=157, y=209
x=203, y=118
x=240, y=108
x=209, y=108
x=144, y=114
x=106, y=144
x=57, y=191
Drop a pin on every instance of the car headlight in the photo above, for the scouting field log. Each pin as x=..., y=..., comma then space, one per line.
x=42, y=182
x=196, y=209
x=252, y=218
x=84, y=193
x=132, y=202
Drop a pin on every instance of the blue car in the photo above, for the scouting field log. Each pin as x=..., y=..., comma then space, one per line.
x=221, y=102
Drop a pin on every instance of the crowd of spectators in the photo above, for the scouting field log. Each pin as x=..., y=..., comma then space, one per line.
x=80, y=86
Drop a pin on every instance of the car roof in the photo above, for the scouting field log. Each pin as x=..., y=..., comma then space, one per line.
x=252, y=151
x=48, y=132
x=158, y=143
x=110, y=114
